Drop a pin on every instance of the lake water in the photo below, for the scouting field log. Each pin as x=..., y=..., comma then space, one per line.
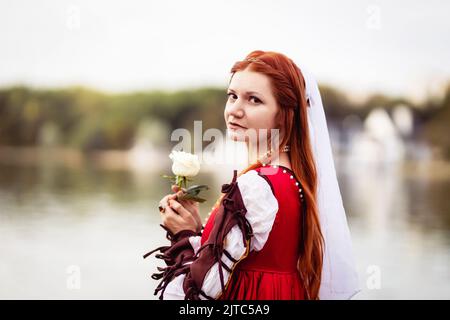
x=80, y=233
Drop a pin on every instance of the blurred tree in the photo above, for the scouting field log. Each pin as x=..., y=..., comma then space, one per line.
x=437, y=127
x=87, y=119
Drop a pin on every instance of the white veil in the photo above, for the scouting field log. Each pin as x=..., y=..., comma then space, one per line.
x=339, y=276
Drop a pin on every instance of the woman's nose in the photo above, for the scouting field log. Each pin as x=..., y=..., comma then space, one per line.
x=236, y=109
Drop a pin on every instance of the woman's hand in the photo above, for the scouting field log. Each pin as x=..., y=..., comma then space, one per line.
x=180, y=215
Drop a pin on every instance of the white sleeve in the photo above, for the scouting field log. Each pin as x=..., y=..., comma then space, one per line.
x=174, y=290
x=195, y=243
x=262, y=207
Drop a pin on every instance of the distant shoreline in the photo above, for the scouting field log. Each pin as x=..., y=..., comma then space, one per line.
x=75, y=158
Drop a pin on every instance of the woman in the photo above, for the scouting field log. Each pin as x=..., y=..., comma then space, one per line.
x=268, y=236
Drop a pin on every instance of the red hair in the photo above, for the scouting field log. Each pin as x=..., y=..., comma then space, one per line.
x=288, y=88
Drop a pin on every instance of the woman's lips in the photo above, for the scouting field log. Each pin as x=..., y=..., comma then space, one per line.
x=234, y=126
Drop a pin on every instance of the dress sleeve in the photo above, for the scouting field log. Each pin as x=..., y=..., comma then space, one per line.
x=242, y=224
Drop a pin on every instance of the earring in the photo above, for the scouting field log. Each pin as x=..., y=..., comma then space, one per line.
x=266, y=158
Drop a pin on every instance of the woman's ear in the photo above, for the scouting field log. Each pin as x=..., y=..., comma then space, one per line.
x=280, y=124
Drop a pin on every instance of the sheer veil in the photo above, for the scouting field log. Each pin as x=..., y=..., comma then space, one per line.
x=339, y=275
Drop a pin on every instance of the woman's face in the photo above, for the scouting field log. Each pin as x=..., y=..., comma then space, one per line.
x=251, y=106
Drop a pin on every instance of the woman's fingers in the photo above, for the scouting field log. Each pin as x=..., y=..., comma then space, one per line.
x=175, y=222
x=179, y=215
x=170, y=217
x=175, y=205
x=179, y=193
x=164, y=202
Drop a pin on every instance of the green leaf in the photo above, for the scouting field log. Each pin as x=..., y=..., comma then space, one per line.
x=171, y=178
x=195, y=190
x=192, y=193
x=190, y=197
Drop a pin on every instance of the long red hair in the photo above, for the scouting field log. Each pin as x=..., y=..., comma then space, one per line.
x=288, y=88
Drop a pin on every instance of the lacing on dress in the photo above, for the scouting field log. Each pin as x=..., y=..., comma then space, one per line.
x=180, y=257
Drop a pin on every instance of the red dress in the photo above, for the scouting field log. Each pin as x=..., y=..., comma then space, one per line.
x=271, y=273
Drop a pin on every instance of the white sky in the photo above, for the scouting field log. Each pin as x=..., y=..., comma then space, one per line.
x=394, y=47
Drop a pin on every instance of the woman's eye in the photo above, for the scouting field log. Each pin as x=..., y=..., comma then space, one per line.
x=231, y=96
x=255, y=100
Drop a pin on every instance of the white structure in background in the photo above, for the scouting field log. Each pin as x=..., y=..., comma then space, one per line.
x=145, y=155
x=141, y=157
x=403, y=120
x=380, y=140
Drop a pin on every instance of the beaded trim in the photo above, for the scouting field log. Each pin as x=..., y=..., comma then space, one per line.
x=292, y=177
x=286, y=171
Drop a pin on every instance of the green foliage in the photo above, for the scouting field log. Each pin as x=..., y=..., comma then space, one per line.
x=90, y=120
x=437, y=127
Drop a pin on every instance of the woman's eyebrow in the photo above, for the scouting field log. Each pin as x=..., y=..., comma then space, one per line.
x=247, y=93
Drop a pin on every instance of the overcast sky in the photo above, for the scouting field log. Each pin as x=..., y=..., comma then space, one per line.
x=394, y=47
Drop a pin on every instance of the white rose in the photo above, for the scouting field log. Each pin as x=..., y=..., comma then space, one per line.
x=184, y=164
